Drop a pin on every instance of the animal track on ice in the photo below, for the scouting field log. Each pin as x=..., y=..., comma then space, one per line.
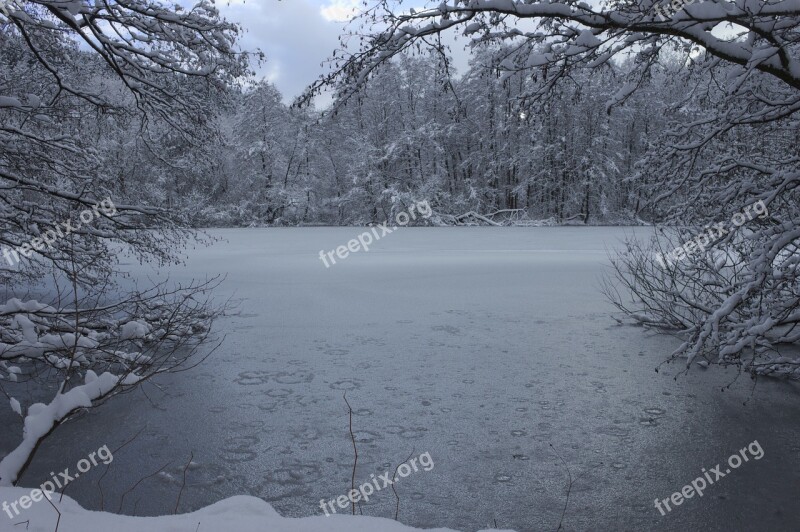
x=305, y=434
x=346, y=384
x=270, y=406
x=366, y=436
x=296, y=474
x=252, y=378
x=240, y=449
x=278, y=392
x=455, y=331
x=294, y=377
x=651, y=420
x=407, y=433
x=257, y=377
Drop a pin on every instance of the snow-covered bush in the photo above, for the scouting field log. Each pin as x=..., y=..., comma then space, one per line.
x=733, y=304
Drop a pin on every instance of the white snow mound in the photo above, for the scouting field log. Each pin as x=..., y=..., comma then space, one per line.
x=242, y=514
x=134, y=330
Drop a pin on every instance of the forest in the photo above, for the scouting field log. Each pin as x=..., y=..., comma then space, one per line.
x=477, y=141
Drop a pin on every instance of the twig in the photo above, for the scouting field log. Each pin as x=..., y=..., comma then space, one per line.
x=394, y=476
x=58, y=522
x=355, y=451
x=113, y=453
x=569, y=488
x=136, y=485
x=183, y=484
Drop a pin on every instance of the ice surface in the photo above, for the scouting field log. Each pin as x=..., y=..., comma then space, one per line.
x=481, y=346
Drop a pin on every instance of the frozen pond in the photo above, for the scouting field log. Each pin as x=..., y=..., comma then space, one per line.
x=480, y=346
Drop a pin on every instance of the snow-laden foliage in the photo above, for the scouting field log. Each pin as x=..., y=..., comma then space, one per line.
x=99, y=100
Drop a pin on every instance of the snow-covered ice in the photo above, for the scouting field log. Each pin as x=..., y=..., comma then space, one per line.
x=481, y=346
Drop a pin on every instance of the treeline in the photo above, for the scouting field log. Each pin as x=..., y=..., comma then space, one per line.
x=486, y=141
x=533, y=145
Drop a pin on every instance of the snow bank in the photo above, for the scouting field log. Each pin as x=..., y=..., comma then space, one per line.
x=242, y=514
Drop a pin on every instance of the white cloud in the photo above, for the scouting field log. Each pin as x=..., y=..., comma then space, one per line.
x=340, y=10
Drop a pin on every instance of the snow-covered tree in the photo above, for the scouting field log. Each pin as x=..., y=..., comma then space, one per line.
x=87, y=89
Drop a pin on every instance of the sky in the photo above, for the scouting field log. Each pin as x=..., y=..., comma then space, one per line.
x=296, y=36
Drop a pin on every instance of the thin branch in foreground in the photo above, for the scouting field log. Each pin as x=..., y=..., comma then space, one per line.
x=355, y=450
x=136, y=485
x=58, y=521
x=113, y=453
x=569, y=488
x=183, y=484
x=394, y=477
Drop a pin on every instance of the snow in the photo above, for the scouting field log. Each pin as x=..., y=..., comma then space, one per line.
x=621, y=95
x=130, y=379
x=42, y=418
x=17, y=305
x=27, y=326
x=15, y=406
x=134, y=330
x=239, y=514
x=473, y=27
x=33, y=347
x=587, y=39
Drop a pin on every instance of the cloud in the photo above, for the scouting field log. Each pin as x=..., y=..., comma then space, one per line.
x=340, y=10
x=295, y=35
x=298, y=36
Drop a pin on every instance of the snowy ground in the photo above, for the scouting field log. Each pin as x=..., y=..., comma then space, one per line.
x=480, y=346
